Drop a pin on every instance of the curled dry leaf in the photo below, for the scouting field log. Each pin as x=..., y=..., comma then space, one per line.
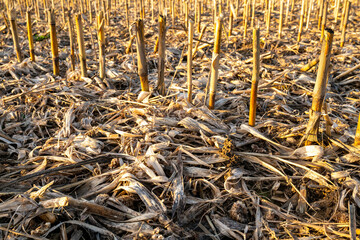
x=309, y=151
x=88, y=145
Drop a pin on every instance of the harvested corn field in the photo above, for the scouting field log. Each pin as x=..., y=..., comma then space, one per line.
x=174, y=119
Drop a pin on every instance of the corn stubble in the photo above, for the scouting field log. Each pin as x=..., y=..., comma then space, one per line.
x=319, y=92
x=30, y=35
x=255, y=76
x=141, y=57
x=15, y=35
x=81, y=44
x=215, y=64
x=161, y=62
x=54, y=42
x=105, y=150
x=101, y=37
x=190, y=60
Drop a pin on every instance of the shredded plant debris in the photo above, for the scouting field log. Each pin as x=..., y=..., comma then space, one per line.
x=86, y=159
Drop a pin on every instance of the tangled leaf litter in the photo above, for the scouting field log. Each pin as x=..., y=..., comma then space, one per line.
x=80, y=159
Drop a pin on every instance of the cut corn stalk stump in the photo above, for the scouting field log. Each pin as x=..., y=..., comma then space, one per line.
x=190, y=60
x=319, y=89
x=15, y=35
x=54, y=42
x=141, y=57
x=255, y=76
x=162, y=47
x=81, y=44
x=215, y=64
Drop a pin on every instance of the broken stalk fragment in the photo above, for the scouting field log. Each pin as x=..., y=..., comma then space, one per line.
x=215, y=64
x=156, y=47
x=141, y=57
x=54, y=43
x=81, y=43
x=310, y=65
x=128, y=48
x=255, y=76
x=198, y=42
x=30, y=36
x=319, y=89
x=6, y=21
x=189, y=60
x=15, y=36
x=161, y=67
